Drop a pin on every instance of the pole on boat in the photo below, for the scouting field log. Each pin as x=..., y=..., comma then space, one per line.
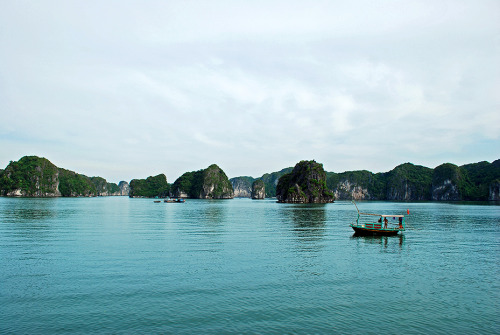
x=355, y=205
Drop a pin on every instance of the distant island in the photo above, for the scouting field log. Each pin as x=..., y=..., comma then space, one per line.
x=209, y=183
x=258, y=189
x=305, y=184
x=151, y=187
x=406, y=182
x=34, y=176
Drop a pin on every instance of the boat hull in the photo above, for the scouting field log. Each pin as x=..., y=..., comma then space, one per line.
x=178, y=201
x=361, y=231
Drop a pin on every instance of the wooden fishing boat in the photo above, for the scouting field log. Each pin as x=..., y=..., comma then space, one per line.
x=177, y=200
x=385, y=225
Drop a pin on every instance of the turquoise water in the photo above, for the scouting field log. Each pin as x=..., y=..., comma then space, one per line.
x=127, y=266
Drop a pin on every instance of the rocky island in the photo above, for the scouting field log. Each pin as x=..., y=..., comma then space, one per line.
x=305, y=184
x=34, y=176
x=151, y=187
x=209, y=183
x=243, y=185
x=258, y=190
x=410, y=182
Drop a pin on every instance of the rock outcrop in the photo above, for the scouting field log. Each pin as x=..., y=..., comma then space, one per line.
x=124, y=188
x=356, y=185
x=271, y=181
x=34, y=176
x=151, y=187
x=346, y=190
x=258, y=189
x=494, y=191
x=408, y=182
x=305, y=184
x=210, y=183
x=242, y=186
x=31, y=176
x=445, y=180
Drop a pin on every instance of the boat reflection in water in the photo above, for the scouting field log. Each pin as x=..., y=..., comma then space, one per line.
x=379, y=239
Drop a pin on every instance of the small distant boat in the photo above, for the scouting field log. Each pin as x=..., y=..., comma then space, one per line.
x=177, y=200
x=386, y=225
x=157, y=201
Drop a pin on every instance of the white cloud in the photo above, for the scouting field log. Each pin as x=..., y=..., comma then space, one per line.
x=126, y=90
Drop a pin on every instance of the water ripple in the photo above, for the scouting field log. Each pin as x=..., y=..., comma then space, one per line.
x=119, y=265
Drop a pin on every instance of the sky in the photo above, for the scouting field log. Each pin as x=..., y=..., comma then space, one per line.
x=130, y=89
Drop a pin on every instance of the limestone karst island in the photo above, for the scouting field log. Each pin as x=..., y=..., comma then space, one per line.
x=307, y=182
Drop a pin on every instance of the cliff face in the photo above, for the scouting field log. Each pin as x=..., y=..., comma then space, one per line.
x=31, y=176
x=271, y=181
x=305, y=184
x=357, y=185
x=258, y=189
x=445, y=180
x=215, y=184
x=124, y=188
x=446, y=191
x=346, y=190
x=242, y=186
x=210, y=183
x=103, y=188
x=183, y=185
x=34, y=176
x=408, y=182
x=494, y=191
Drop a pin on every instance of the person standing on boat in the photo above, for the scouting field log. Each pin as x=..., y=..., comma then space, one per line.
x=385, y=223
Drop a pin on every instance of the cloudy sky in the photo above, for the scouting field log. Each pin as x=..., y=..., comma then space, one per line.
x=128, y=89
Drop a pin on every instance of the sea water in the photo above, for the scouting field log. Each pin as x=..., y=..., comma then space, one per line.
x=132, y=266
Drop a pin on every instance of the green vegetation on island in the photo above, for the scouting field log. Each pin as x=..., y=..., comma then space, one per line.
x=305, y=184
x=209, y=183
x=482, y=177
x=409, y=182
x=31, y=176
x=34, y=176
x=72, y=184
x=406, y=182
x=243, y=185
x=271, y=181
x=151, y=187
x=363, y=183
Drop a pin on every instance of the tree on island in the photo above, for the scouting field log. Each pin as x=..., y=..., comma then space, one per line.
x=153, y=186
x=209, y=183
x=305, y=184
